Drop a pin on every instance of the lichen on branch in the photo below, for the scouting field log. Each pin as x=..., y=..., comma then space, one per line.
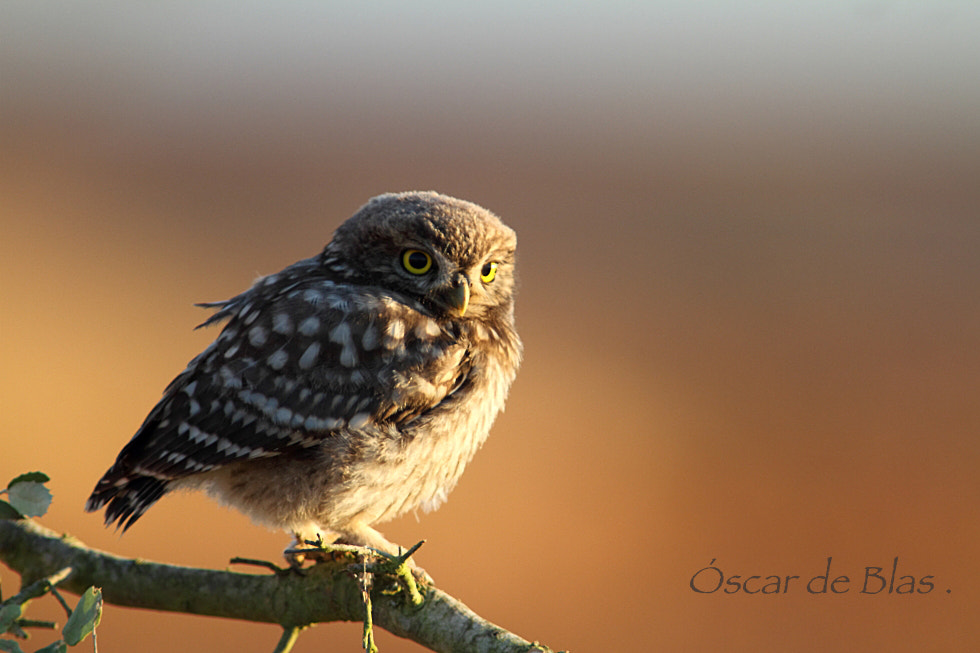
x=328, y=591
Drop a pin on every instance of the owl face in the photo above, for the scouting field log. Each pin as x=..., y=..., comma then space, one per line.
x=454, y=258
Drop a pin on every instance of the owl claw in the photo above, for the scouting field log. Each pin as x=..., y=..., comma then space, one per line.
x=405, y=571
x=316, y=551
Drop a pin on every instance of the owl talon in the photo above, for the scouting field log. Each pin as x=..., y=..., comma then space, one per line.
x=422, y=576
x=405, y=571
x=316, y=551
x=295, y=559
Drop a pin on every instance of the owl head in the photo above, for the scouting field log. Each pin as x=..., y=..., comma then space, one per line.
x=452, y=256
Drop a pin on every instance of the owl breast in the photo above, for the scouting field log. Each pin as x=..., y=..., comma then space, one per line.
x=422, y=464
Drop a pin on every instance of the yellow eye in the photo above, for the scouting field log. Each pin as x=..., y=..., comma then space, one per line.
x=488, y=272
x=416, y=261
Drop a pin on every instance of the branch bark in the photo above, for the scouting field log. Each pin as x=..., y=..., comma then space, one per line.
x=327, y=592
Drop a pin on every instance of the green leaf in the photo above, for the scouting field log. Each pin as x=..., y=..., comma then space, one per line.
x=85, y=617
x=54, y=647
x=10, y=646
x=7, y=511
x=29, y=477
x=30, y=498
x=9, y=614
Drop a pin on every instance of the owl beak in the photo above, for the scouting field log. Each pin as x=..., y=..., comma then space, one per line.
x=458, y=296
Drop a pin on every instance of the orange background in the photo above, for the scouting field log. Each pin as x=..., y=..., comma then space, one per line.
x=750, y=291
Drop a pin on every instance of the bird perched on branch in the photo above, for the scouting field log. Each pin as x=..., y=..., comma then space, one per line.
x=346, y=389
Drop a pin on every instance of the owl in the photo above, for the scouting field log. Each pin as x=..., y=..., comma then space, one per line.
x=346, y=389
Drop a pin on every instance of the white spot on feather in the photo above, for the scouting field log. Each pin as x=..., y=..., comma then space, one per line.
x=282, y=323
x=308, y=358
x=338, y=302
x=427, y=328
x=340, y=334
x=395, y=330
x=278, y=359
x=359, y=420
x=348, y=356
x=226, y=445
x=282, y=416
x=195, y=434
x=369, y=339
x=229, y=378
x=257, y=336
x=310, y=326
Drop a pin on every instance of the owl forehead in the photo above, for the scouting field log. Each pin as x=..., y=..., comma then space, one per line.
x=462, y=231
x=464, y=239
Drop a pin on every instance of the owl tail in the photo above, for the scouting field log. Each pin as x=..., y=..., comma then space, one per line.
x=126, y=497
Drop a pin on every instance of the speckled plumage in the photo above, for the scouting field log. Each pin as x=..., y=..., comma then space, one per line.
x=345, y=389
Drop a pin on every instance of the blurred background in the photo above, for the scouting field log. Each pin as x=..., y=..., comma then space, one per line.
x=750, y=298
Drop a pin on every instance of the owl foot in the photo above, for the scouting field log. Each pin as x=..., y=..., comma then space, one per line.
x=364, y=559
x=404, y=569
x=302, y=550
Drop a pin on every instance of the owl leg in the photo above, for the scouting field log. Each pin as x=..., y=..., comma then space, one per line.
x=315, y=544
x=363, y=535
x=305, y=543
x=360, y=534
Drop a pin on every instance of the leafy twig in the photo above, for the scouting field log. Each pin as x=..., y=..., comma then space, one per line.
x=326, y=593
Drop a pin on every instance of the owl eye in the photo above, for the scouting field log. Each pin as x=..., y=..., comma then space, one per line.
x=416, y=261
x=488, y=272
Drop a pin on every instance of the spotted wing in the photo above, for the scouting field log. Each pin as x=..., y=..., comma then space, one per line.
x=302, y=358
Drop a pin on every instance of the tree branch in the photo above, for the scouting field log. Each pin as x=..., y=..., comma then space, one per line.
x=326, y=592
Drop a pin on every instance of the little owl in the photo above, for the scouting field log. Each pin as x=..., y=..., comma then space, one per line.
x=346, y=389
